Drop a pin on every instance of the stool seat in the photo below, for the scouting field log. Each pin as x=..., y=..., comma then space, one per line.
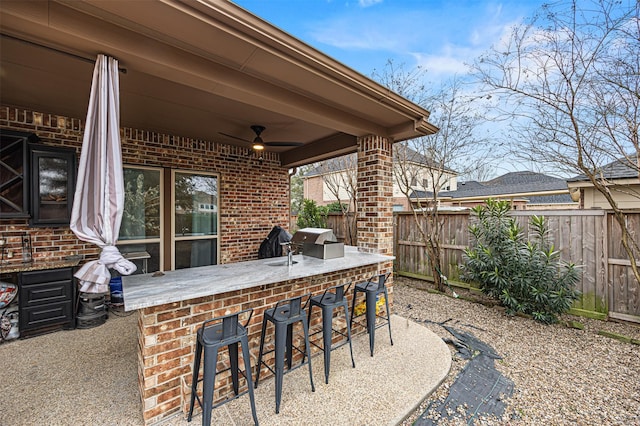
x=372, y=288
x=279, y=314
x=283, y=316
x=214, y=335
x=367, y=286
x=332, y=298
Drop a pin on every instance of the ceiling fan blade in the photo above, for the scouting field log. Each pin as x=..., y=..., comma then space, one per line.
x=258, y=140
x=234, y=137
x=284, y=143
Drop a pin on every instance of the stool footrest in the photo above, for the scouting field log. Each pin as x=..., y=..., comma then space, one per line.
x=340, y=332
x=364, y=324
x=244, y=392
x=288, y=369
x=336, y=346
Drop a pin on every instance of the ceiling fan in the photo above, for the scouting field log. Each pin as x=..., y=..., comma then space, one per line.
x=258, y=144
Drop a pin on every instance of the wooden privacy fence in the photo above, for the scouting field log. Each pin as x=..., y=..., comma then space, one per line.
x=588, y=238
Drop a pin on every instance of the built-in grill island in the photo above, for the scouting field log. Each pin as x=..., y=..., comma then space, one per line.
x=317, y=242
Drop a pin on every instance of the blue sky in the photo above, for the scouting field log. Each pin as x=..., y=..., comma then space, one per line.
x=439, y=35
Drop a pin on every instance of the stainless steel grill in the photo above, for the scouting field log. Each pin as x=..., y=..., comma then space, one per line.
x=317, y=242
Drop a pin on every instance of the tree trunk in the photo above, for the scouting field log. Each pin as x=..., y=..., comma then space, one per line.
x=433, y=251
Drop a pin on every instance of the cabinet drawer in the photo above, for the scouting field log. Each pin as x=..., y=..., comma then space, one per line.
x=50, y=292
x=45, y=315
x=45, y=276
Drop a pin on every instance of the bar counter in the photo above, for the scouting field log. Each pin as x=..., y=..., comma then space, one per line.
x=143, y=291
x=172, y=305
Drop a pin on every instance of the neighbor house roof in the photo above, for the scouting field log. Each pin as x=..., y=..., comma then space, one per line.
x=536, y=187
x=618, y=169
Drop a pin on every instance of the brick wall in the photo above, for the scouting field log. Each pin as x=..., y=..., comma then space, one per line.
x=375, y=195
x=253, y=193
x=313, y=190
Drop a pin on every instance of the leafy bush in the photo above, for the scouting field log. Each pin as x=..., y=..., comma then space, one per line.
x=527, y=276
x=337, y=207
x=312, y=215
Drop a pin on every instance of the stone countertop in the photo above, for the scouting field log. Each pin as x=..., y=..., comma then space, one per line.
x=147, y=290
x=37, y=265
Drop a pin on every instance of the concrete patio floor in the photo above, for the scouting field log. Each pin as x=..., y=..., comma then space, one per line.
x=90, y=377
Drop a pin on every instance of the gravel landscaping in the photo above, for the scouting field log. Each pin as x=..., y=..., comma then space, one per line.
x=562, y=375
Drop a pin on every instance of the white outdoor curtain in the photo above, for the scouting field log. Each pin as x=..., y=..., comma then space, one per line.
x=99, y=197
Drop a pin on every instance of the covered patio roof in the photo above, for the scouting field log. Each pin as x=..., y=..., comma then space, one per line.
x=198, y=69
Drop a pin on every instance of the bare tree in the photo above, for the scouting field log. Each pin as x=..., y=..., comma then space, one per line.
x=483, y=172
x=569, y=82
x=339, y=176
x=456, y=148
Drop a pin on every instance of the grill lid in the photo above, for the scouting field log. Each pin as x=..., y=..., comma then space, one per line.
x=314, y=236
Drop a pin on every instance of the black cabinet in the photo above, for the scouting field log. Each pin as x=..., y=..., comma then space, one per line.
x=46, y=300
x=53, y=177
x=36, y=181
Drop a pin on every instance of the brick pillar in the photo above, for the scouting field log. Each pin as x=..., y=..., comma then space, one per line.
x=375, y=195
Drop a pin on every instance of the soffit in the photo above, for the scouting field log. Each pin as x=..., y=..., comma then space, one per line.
x=196, y=69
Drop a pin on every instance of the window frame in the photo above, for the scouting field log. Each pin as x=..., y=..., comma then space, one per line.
x=155, y=240
x=171, y=229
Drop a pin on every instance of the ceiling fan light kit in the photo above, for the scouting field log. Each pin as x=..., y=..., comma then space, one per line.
x=258, y=144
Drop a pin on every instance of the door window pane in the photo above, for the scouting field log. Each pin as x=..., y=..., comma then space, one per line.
x=136, y=253
x=196, y=205
x=141, y=216
x=52, y=172
x=192, y=253
x=195, y=220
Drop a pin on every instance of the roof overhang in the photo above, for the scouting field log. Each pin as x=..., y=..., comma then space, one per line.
x=613, y=182
x=197, y=69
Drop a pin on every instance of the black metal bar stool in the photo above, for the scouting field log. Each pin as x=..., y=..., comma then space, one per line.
x=283, y=316
x=372, y=288
x=213, y=335
x=332, y=298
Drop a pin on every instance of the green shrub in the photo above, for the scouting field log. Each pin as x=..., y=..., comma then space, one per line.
x=312, y=215
x=527, y=276
x=337, y=207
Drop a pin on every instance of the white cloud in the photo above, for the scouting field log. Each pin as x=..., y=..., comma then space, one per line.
x=438, y=65
x=373, y=29
x=432, y=36
x=367, y=3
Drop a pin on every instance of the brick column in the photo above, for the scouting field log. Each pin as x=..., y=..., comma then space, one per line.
x=375, y=195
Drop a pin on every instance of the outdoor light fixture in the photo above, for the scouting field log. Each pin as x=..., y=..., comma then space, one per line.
x=258, y=144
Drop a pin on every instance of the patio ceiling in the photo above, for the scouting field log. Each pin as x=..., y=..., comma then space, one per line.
x=196, y=69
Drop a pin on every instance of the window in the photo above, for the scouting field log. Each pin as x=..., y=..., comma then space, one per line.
x=194, y=219
x=192, y=209
x=141, y=226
